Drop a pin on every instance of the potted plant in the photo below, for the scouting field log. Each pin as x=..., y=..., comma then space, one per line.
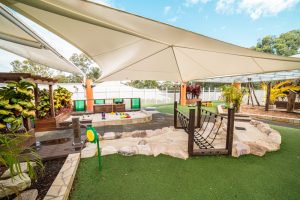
x=233, y=96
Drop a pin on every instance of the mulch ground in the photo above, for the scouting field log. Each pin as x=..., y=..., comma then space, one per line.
x=260, y=110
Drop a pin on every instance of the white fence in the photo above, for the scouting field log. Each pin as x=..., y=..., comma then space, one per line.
x=109, y=90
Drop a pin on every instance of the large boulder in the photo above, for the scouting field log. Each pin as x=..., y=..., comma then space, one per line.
x=175, y=151
x=89, y=151
x=264, y=128
x=109, y=136
x=15, y=184
x=139, y=134
x=158, y=148
x=144, y=150
x=108, y=150
x=128, y=151
x=257, y=149
x=275, y=137
x=23, y=166
x=240, y=149
x=28, y=195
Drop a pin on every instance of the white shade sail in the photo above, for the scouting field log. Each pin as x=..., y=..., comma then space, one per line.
x=130, y=47
x=19, y=39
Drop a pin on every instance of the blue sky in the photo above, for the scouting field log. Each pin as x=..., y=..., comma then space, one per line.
x=241, y=22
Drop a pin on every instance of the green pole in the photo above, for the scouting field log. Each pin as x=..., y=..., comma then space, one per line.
x=99, y=156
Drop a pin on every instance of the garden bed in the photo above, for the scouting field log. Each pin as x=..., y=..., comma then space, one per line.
x=259, y=110
x=45, y=178
x=51, y=123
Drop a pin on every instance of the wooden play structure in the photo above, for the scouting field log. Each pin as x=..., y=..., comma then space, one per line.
x=204, y=136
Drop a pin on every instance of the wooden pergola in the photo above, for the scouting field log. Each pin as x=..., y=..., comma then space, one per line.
x=9, y=76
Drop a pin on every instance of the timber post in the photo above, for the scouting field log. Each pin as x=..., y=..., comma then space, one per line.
x=191, y=130
x=268, y=97
x=52, y=109
x=76, y=130
x=198, y=113
x=175, y=114
x=230, y=129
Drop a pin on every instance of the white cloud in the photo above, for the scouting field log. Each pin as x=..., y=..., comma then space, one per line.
x=173, y=19
x=167, y=9
x=255, y=8
x=226, y=6
x=188, y=3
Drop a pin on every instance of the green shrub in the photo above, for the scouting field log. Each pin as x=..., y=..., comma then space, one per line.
x=62, y=99
x=16, y=104
x=43, y=107
x=233, y=96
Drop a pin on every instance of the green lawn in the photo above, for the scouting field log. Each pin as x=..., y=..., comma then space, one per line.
x=274, y=176
x=168, y=108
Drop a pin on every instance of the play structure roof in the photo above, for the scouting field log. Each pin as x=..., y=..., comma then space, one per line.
x=21, y=40
x=131, y=47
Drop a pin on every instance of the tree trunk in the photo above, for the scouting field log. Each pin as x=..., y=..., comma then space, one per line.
x=291, y=101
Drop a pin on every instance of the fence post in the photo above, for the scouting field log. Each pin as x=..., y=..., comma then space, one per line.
x=155, y=96
x=230, y=128
x=208, y=94
x=215, y=94
x=166, y=95
x=175, y=114
x=191, y=129
x=198, y=113
x=145, y=102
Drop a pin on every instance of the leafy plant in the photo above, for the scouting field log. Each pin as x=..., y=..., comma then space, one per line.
x=11, y=154
x=16, y=104
x=62, y=99
x=281, y=89
x=233, y=95
x=43, y=107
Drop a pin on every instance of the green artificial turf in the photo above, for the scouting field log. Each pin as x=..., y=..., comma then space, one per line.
x=274, y=176
x=169, y=108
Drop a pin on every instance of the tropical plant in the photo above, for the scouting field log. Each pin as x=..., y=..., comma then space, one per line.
x=16, y=104
x=62, y=99
x=11, y=154
x=281, y=89
x=43, y=107
x=233, y=96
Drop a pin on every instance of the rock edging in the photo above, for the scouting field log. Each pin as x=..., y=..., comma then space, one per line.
x=61, y=187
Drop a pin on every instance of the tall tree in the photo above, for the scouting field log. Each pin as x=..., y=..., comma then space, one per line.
x=84, y=63
x=27, y=66
x=287, y=44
